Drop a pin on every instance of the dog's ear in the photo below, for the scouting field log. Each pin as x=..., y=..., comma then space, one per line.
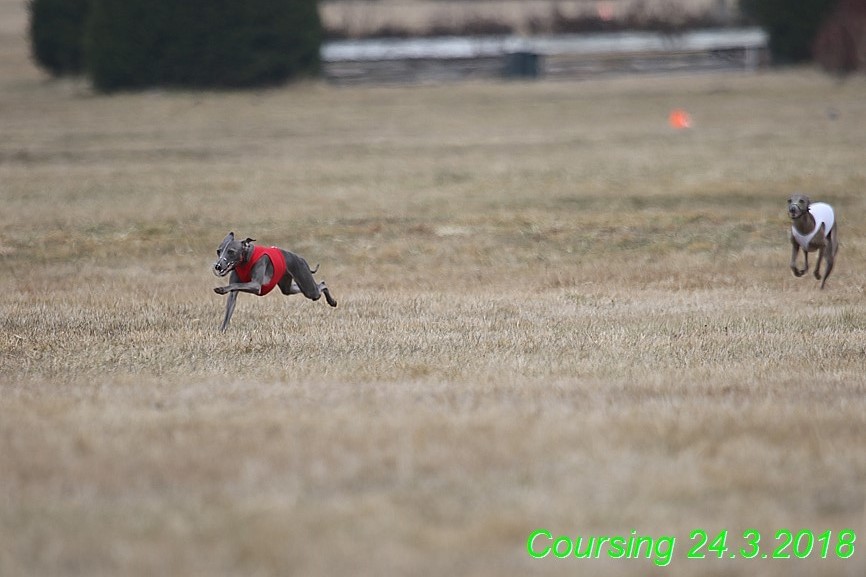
x=247, y=242
x=229, y=238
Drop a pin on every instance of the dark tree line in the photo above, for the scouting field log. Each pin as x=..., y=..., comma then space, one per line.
x=129, y=44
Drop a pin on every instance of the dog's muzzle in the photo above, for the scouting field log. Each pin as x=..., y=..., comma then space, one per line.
x=794, y=211
x=220, y=269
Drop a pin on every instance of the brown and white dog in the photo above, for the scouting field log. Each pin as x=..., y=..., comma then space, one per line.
x=813, y=227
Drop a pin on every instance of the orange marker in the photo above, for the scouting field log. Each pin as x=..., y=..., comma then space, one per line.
x=679, y=119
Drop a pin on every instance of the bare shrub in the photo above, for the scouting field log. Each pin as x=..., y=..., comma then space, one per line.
x=840, y=45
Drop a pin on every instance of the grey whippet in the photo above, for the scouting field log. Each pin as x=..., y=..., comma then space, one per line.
x=813, y=227
x=257, y=270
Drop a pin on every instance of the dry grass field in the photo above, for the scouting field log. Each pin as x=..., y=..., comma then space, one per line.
x=555, y=312
x=363, y=17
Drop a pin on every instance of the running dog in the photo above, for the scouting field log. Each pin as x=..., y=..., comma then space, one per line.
x=257, y=270
x=813, y=227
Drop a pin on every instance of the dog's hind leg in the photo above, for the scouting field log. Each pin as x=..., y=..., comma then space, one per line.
x=288, y=286
x=831, y=248
x=303, y=281
x=827, y=270
x=324, y=289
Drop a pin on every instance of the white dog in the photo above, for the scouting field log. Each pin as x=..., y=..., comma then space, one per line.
x=813, y=227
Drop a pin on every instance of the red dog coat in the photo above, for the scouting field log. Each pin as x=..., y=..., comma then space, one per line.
x=244, y=271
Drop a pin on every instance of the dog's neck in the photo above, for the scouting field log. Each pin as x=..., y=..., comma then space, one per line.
x=804, y=224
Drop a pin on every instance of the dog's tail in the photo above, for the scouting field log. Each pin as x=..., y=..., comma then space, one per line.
x=315, y=270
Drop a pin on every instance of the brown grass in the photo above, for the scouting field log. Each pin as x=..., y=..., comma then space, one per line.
x=358, y=18
x=554, y=312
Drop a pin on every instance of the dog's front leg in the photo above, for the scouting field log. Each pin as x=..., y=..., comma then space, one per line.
x=818, y=264
x=230, y=308
x=795, y=248
x=232, y=289
x=259, y=277
x=252, y=287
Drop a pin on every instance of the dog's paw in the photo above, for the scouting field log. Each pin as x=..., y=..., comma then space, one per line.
x=221, y=290
x=817, y=275
x=798, y=273
x=328, y=297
